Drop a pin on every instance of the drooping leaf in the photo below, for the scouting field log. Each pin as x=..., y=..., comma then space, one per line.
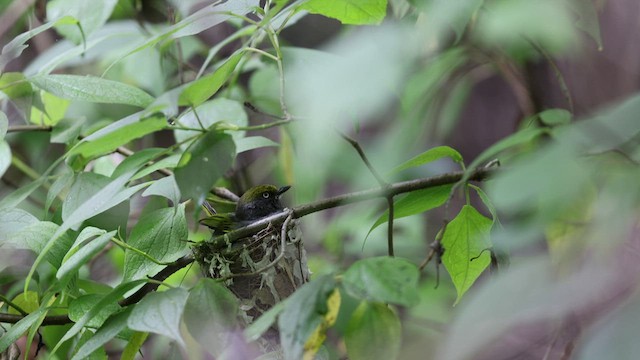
x=203, y=163
x=160, y=234
x=83, y=255
x=92, y=89
x=81, y=305
x=416, y=202
x=202, y=89
x=305, y=310
x=466, y=237
x=355, y=12
x=430, y=155
x=17, y=331
x=160, y=313
x=383, y=279
x=109, y=330
x=374, y=332
x=211, y=315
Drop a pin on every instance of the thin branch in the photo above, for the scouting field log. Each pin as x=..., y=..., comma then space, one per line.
x=19, y=128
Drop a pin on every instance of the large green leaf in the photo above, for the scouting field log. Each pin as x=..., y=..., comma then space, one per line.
x=166, y=187
x=466, y=237
x=356, y=12
x=374, y=332
x=430, y=155
x=14, y=85
x=82, y=304
x=90, y=14
x=19, y=329
x=415, y=202
x=305, y=310
x=92, y=89
x=83, y=255
x=383, y=279
x=121, y=132
x=219, y=110
x=202, y=89
x=211, y=315
x=203, y=163
x=160, y=313
x=161, y=234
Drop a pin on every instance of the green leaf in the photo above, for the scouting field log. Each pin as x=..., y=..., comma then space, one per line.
x=111, y=298
x=160, y=313
x=28, y=301
x=53, y=110
x=16, y=46
x=587, y=18
x=487, y=202
x=253, y=142
x=81, y=305
x=121, y=132
x=16, y=197
x=15, y=85
x=92, y=89
x=35, y=237
x=111, y=328
x=137, y=160
x=202, y=89
x=555, y=117
x=374, y=332
x=5, y=157
x=305, y=310
x=67, y=130
x=220, y=110
x=4, y=125
x=161, y=234
x=134, y=345
x=430, y=155
x=91, y=15
x=465, y=238
x=203, y=163
x=211, y=315
x=166, y=187
x=62, y=182
x=19, y=329
x=415, y=202
x=355, y=12
x=383, y=279
x=83, y=255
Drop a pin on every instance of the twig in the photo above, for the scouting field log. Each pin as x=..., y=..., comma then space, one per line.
x=19, y=128
x=383, y=185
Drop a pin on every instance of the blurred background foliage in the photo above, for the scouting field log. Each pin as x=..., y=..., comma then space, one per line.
x=547, y=87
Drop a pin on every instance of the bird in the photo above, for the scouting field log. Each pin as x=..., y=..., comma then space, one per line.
x=256, y=203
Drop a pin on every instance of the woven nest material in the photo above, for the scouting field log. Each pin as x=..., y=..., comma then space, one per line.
x=248, y=269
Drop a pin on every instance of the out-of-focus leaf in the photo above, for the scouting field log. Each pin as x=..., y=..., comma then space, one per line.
x=108, y=139
x=202, y=89
x=92, y=89
x=160, y=313
x=211, y=314
x=587, y=18
x=17, y=331
x=218, y=110
x=415, y=202
x=203, y=163
x=35, y=236
x=466, y=237
x=16, y=197
x=4, y=125
x=430, y=155
x=253, y=142
x=111, y=328
x=15, y=85
x=83, y=255
x=90, y=14
x=66, y=131
x=374, y=332
x=5, y=157
x=316, y=339
x=133, y=346
x=554, y=117
x=54, y=109
x=161, y=234
x=305, y=310
x=355, y=12
x=383, y=279
x=28, y=301
x=262, y=324
x=16, y=46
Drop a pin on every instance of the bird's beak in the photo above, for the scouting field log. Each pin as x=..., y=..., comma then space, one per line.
x=282, y=190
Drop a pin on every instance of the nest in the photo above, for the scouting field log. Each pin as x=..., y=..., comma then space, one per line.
x=256, y=268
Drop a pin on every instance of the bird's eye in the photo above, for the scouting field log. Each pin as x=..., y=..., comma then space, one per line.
x=265, y=195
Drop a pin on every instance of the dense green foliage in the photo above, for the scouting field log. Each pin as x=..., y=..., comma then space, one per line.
x=111, y=139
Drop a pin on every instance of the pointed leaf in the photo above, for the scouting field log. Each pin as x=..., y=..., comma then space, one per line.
x=428, y=156
x=202, y=89
x=355, y=12
x=373, y=332
x=465, y=238
x=383, y=279
x=160, y=313
x=111, y=328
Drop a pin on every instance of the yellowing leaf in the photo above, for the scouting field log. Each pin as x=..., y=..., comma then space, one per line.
x=320, y=334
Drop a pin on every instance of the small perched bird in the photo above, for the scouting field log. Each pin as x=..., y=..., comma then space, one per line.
x=256, y=203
